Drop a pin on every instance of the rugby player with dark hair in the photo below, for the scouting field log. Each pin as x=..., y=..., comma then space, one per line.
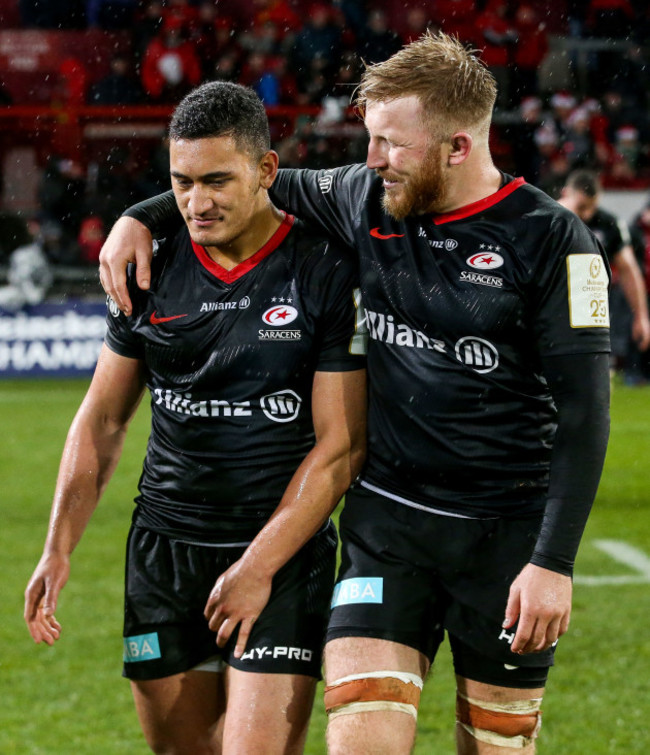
x=488, y=419
x=247, y=341
x=582, y=194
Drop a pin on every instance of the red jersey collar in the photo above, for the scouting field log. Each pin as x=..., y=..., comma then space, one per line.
x=482, y=204
x=230, y=276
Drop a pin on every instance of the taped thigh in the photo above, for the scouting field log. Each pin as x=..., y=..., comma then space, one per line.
x=374, y=691
x=504, y=724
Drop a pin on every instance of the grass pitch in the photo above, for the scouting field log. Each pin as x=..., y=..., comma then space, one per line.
x=71, y=698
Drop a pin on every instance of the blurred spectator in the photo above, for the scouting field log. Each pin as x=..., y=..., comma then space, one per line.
x=226, y=68
x=216, y=43
x=346, y=79
x=110, y=14
x=28, y=279
x=288, y=84
x=628, y=73
x=278, y=12
x=120, y=87
x=578, y=144
x=562, y=105
x=258, y=75
x=318, y=41
x=72, y=83
x=5, y=95
x=456, y=17
x=170, y=67
x=377, y=42
x=147, y=26
x=521, y=136
x=182, y=12
x=530, y=51
x=627, y=145
x=598, y=125
x=576, y=15
x=92, y=235
x=313, y=84
x=263, y=37
x=639, y=362
x=354, y=14
x=415, y=21
x=59, y=248
x=115, y=185
x=62, y=199
x=553, y=163
x=53, y=14
x=497, y=38
x=629, y=163
x=610, y=18
x=13, y=233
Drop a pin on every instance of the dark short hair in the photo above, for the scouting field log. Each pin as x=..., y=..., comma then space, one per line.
x=221, y=108
x=584, y=181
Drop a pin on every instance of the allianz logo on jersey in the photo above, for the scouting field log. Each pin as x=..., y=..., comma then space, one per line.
x=477, y=353
x=325, y=181
x=383, y=328
x=281, y=406
x=220, y=306
x=474, y=352
x=447, y=244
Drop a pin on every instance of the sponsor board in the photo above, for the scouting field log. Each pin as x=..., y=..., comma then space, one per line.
x=55, y=339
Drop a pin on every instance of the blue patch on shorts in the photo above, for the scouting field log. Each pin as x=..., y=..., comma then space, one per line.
x=358, y=590
x=141, y=647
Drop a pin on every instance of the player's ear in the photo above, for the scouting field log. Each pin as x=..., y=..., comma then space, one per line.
x=268, y=168
x=459, y=148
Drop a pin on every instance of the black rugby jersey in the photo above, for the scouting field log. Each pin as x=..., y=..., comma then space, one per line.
x=460, y=309
x=231, y=357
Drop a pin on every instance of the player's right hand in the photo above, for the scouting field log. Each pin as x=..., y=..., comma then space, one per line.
x=41, y=597
x=128, y=241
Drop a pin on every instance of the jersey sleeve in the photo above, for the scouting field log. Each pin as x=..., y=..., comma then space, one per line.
x=325, y=199
x=342, y=332
x=159, y=214
x=119, y=336
x=570, y=307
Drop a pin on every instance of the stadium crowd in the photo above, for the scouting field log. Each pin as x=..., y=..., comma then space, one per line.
x=310, y=55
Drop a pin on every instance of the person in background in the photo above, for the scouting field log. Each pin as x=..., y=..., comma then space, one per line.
x=582, y=195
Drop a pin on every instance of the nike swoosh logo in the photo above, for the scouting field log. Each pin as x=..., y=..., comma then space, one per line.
x=157, y=320
x=375, y=232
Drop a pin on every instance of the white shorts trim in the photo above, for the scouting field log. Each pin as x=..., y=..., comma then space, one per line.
x=414, y=505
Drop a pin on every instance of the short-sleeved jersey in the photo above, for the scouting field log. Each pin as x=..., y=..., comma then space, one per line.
x=461, y=308
x=231, y=357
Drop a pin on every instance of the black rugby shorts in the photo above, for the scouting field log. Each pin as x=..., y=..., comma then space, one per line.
x=408, y=576
x=167, y=586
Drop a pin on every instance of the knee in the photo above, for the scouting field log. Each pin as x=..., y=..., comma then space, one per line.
x=374, y=691
x=513, y=724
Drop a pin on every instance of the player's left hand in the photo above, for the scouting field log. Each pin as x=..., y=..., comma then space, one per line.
x=541, y=600
x=237, y=598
